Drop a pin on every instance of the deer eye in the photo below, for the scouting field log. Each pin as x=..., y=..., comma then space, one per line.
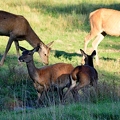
x=45, y=54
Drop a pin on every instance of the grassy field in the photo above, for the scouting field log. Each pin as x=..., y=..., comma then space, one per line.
x=66, y=22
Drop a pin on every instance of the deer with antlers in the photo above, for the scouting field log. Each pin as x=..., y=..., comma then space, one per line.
x=103, y=21
x=17, y=28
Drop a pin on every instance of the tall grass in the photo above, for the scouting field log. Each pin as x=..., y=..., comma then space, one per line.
x=65, y=22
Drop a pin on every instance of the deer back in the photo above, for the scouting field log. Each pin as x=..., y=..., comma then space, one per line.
x=84, y=73
x=49, y=74
x=105, y=20
x=18, y=25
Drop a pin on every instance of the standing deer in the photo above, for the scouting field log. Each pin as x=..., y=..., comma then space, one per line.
x=83, y=75
x=17, y=28
x=44, y=77
x=102, y=21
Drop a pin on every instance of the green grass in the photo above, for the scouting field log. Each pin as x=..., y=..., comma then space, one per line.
x=71, y=112
x=65, y=22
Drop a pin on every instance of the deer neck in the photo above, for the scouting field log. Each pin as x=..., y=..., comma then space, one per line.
x=31, y=69
x=32, y=38
x=90, y=64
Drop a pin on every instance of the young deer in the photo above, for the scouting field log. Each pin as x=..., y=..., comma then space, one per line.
x=83, y=75
x=102, y=21
x=17, y=28
x=44, y=77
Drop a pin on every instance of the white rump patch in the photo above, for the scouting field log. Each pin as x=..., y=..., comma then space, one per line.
x=73, y=82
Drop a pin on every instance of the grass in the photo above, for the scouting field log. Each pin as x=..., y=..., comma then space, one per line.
x=79, y=112
x=65, y=22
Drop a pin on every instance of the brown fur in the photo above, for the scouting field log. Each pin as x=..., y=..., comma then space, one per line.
x=83, y=75
x=17, y=28
x=46, y=76
x=102, y=21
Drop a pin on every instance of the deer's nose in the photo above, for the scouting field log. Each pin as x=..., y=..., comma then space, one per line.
x=20, y=59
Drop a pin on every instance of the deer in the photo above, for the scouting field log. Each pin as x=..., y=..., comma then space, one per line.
x=83, y=75
x=103, y=21
x=17, y=28
x=45, y=77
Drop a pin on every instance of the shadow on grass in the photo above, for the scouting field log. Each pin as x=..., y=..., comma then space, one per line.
x=58, y=53
x=66, y=55
x=108, y=59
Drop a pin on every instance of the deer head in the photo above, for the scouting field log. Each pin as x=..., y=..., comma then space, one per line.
x=88, y=58
x=27, y=55
x=44, y=52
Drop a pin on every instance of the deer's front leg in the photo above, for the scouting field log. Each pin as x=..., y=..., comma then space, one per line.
x=40, y=90
x=6, y=50
x=17, y=48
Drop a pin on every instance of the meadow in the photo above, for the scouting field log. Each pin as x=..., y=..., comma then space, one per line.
x=65, y=22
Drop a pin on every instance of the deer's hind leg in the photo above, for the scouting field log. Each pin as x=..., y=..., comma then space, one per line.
x=95, y=44
x=75, y=90
x=93, y=33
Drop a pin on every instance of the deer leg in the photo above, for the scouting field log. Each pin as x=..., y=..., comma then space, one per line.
x=73, y=83
x=60, y=93
x=95, y=44
x=94, y=84
x=75, y=94
x=6, y=50
x=40, y=90
x=17, y=50
x=76, y=89
x=89, y=37
x=39, y=97
x=87, y=40
x=39, y=100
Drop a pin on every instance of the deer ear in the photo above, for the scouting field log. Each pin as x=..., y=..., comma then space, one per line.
x=50, y=44
x=93, y=53
x=36, y=48
x=83, y=53
x=22, y=48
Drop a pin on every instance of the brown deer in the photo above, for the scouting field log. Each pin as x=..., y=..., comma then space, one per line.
x=46, y=76
x=17, y=28
x=102, y=21
x=83, y=75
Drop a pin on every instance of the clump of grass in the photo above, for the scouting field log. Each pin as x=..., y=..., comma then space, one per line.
x=108, y=92
x=16, y=86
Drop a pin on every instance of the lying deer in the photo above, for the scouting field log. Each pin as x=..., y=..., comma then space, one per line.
x=83, y=75
x=17, y=28
x=44, y=77
x=102, y=21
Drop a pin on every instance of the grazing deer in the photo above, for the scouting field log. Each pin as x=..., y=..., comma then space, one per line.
x=46, y=76
x=17, y=28
x=83, y=75
x=102, y=21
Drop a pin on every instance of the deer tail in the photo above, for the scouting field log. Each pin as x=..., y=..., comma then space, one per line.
x=74, y=73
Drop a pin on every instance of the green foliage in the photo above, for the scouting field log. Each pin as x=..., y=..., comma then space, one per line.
x=67, y=23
